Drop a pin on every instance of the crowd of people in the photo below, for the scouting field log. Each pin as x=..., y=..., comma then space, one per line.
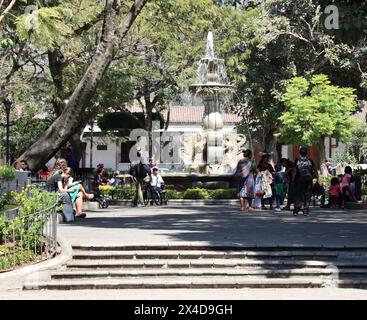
x=295, y=181
x=261, y=186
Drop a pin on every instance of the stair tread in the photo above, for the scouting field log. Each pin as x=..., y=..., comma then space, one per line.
x=183, y=272
x=194, y=262
x=184, y=280
x=193, y=246
x=197, y=254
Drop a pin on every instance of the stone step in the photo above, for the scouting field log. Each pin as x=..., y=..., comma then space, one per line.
x=187, y=263
x=351, y=283
x=182, y=282
x=281, y=273
x=214, y=247
x=194, y=254
x=351, y=264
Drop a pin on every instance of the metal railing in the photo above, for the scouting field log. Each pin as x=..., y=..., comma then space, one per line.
x=25, y=238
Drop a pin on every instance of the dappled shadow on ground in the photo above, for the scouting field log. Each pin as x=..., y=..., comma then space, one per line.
x=218, y=224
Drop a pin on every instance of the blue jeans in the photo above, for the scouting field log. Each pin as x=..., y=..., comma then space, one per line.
x=280, y=201
x=67, y=207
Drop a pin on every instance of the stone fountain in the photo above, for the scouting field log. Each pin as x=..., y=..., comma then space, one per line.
x=214, y=152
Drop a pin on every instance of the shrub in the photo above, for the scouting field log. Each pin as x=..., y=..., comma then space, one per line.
x=7, y=174
x=5, y=199
x=173, y=194
x=218, y=194
x=124, y=193
x=117, y=192
x=196, y=193
x=26, y=226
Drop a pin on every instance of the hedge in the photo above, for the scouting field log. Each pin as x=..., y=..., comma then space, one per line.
x=123, y=193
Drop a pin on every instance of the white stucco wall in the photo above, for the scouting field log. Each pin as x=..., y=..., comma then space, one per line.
x=107, y=157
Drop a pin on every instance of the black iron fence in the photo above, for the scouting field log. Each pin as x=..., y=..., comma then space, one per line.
x=28, y=237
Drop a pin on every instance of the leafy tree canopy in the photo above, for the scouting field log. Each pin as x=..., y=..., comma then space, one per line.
x=316, y=109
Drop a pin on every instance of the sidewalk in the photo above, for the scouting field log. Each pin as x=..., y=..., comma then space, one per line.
x=193, y=294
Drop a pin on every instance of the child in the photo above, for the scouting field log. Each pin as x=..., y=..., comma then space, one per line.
x=279, y=187
x=334, y=193
x=345, y=186
x=43, y=174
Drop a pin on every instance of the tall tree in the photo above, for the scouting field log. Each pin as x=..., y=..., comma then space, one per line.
x=67, y=123
x=160, y=58
x=281, y=39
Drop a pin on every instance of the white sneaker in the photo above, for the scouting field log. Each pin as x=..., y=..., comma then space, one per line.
x=278, y=209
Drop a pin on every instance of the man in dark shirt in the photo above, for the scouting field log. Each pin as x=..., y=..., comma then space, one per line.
x=306, y=172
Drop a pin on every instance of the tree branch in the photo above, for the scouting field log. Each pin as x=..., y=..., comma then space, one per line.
x=6, y=11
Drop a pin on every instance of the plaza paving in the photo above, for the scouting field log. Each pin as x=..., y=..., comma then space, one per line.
x=217, y=225
x=211, y=225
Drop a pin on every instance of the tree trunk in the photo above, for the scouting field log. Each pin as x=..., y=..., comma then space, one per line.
x=321, y=151
x=77, y=145
x=149, y=125
x=270, y=142
x=69, y=121
x=56, y=65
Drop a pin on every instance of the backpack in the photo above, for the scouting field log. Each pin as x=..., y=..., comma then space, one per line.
x=305, y=168
x=139, y=170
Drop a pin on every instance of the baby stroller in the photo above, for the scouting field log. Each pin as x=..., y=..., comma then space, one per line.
x=163, y=195
x=98, y=197
x=102, y=201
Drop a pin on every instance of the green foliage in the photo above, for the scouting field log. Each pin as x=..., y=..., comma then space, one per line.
x=218, y=194
x=159, y=59
x=357, y=146
x=281, y=39
x=5, y=199
x=196, y=193
x=118, y=193
x=346, y=157
x=22, y=234
x=173, y=194
x=7, y=174
x=45, y=26
x=25, y=131
x=127, y=193
x=316, y=109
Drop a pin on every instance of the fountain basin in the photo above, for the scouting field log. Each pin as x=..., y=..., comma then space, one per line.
x=184, y=181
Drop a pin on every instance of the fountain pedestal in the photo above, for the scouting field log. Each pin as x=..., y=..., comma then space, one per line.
x=221, y=155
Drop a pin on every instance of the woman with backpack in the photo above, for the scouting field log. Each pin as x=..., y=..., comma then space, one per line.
x=306, y=172
x=245, y=176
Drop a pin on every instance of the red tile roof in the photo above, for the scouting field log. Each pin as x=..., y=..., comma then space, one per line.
x=195, y=115
x=190, y=114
